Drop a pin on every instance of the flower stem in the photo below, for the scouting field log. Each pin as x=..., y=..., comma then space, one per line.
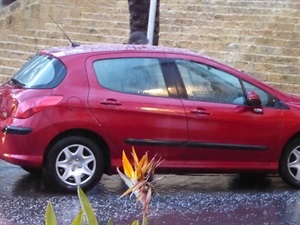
x=145, y=220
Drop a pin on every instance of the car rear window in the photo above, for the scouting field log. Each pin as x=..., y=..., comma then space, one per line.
x=42, y=71
x=132, y=75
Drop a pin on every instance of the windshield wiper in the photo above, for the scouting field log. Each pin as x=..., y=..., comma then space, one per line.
x=17, y=83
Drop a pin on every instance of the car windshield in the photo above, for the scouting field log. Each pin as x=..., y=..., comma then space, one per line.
x=42, y=71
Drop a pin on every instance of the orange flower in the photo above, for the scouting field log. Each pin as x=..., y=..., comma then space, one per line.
x=137, y=177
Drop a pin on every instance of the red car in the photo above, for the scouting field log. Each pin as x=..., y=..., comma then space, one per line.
x=70, y=111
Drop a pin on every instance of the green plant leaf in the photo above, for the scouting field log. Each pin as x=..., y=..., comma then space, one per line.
x=50, y=215
x=145, y=220
x=136, y=222
x=110, y=222
x=87, y=208
x=79, y=218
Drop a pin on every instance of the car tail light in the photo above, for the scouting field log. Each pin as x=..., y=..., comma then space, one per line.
x=31, y=106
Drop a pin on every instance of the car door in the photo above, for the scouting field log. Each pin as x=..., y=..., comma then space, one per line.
x=132, y=101
x=223, y=131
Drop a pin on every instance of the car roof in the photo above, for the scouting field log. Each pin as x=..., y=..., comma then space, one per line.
x=100, y=48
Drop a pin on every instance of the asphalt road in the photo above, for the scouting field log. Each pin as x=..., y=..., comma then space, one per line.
x=181, y=200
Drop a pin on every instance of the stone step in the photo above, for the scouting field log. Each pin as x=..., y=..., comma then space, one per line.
x=12, y=62
x=285, y=78
x=106, y=10
x=100, y=30
x=245, y=30
x=267, y=68
x=19, y=45
x=113, y=16
x=90, y=3
x=72, y=32
x=221, y=25
x=75, y=37
x=232, y=48
x=122, y=24
x=6, y=73
x=249, y=58
x=193, y=4
x=40, y=41
x=286, y=87
x=16, y=54
x=227, y=15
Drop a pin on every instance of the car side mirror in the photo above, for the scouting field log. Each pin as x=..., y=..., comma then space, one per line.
x=254, y=101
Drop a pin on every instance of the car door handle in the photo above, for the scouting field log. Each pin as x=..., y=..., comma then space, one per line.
x=200, y=111
x=110, y=101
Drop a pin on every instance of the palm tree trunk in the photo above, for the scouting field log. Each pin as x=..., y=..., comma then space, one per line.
x=139, y=13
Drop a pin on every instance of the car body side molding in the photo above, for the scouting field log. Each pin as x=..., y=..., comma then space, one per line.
x=151, y=142
x=227, y=146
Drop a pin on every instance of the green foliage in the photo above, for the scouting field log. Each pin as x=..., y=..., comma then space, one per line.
x=79, y=218
x=87, y=208
x=50, y=215
x=110, y=222
x=86, y=212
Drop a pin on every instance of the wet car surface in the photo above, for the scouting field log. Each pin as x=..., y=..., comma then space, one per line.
x=198, y=115
x=192, y=199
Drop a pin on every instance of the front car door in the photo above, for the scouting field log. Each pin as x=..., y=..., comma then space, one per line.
x=133, y=101
x=223, y=131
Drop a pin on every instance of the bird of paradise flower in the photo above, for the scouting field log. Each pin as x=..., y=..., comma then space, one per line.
x=138, y=178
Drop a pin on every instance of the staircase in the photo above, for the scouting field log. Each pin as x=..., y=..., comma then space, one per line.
x=259, y=37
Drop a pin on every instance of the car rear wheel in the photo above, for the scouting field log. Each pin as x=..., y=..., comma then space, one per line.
x=74, y=161
x=289, y=167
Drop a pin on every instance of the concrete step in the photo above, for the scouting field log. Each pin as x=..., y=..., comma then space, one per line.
x=16, y=54
x=286, y=87
x=19, y=45
x=283, y=78
x=228, y=12
x=6, y=73
x=233, y=27
x=110, y=15
x=100, y=30
x=122, y=24
x=264, y=4
x=12, y=62
x=75, y=37
x=90, y=3
x=40, y=41
x=92, y=14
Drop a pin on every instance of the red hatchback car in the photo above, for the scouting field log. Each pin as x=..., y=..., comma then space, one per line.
x=70, y=111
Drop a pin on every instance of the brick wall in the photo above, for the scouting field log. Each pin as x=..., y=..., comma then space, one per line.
x=260, y=37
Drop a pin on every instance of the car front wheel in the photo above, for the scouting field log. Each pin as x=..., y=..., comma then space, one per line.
x=290, y=164
x=74, y=161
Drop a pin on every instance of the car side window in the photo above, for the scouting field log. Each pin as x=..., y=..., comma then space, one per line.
x=206, y=83
x=141, y=76
x=266, y=98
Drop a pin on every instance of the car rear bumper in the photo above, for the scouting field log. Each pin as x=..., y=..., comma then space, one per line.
x=23, y=142
x=16, y=130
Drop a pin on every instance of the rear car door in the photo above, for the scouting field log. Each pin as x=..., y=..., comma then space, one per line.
x=134, y=101
x=223, y=131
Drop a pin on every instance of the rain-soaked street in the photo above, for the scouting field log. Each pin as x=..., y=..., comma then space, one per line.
x=181, y=200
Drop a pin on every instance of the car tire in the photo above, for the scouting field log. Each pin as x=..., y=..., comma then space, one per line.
x=289, y=167
x=73, y=161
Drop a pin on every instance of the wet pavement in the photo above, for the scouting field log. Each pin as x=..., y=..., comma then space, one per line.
x=181, y=200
